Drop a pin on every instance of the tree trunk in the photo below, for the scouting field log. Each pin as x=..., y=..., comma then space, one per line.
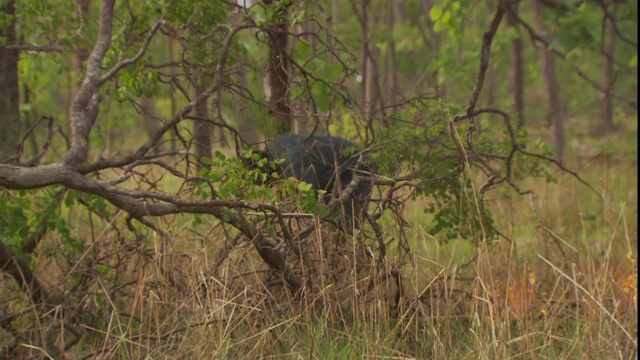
x=202, y=129
x=10, y=125
x=278, y=73
x=402, y=11
x=390, y=61
x=335, y=12
x=439, y=88
x=301, y=104
x=151, y=119
x=608, y=48
x=516, y=66
x=369, y=68
x=172, y=93
x=491, y=86
x=370, y=93
x=365, y=51
x=552, y=99
x=247, y=127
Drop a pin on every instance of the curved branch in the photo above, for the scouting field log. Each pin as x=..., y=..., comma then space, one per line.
x=135, y=203
x=487, y=39
x=84, y=107
x=143, y=49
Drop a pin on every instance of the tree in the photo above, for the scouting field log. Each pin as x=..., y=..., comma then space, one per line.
x=370, y=93
x=390, y=61
x=552, y=96
x=203, y=131
x=278, y=73
x=10, y=124
x=570, y=34
x=516, y=65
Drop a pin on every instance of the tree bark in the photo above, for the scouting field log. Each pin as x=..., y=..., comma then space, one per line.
x=335, y=12
x=369, y=67
x=10, y=125
x=247, y=127
x=390, y=61
x=80, y=53
x=370, y=93
x=151, y=119
x=608, y=49
x=433, y=45
x=84, y=108
x=552, y=99
x=278, y=73
x=300, y=104
x=516, y=66
x=203, y=131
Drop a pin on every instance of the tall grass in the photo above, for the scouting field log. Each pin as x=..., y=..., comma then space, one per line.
x=563, y=286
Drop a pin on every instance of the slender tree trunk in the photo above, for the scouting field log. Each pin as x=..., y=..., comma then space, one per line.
x=608, y=47
x=247, y=127
x=300, y=104
x=516, y=66
x=548, y=65
x=369, y=68
x=370, y=93
x=390, y=61
x=203, y=130
x=439, y=88
x=151, y=119
x=218, y=131
x=10, y=125
x=491, y=84
x=335, y=12
x=365, y=51
x=402, y=11
x=278, y=74
x=172, y=95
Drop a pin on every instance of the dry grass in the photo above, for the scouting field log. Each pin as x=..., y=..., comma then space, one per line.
x=143, y=296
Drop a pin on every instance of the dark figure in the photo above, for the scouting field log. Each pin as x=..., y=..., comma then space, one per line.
x=327, y=163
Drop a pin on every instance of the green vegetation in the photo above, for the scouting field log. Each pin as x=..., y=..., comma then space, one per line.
x=503, y=218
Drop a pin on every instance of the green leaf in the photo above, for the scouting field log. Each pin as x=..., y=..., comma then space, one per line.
x=435, y=13
x=303, y=50
x=304, y=187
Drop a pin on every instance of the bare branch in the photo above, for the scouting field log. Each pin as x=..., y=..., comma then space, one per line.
x=143, y=49
x=37, y=48
x=487, y=39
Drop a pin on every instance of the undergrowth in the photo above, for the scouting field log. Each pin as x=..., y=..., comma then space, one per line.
x=562, y=284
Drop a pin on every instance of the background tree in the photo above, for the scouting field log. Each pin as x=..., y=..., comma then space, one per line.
x=278, y=73
x=10, y=91
x=552, y=91
x=516, y=64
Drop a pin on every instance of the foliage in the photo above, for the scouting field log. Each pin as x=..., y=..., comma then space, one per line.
x=424, y=143
x=25, y=214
